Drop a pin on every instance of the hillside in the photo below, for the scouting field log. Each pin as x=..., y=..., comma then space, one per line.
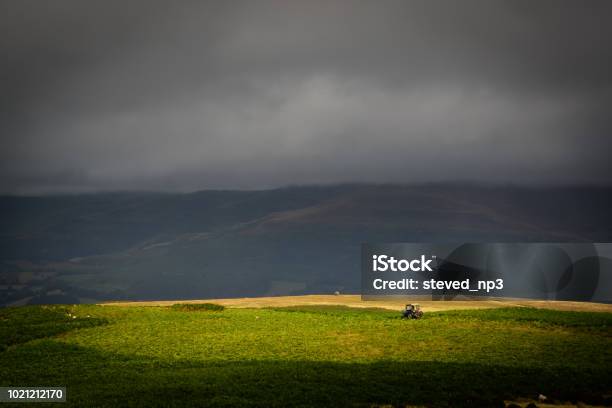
x=317, y=355
x=297, y=240
x=428, y=305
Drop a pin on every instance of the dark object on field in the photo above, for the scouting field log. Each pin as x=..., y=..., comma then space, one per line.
x=531, y=405
x=412, y=312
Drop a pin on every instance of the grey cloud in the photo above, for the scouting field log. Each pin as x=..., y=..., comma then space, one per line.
x=188, y=95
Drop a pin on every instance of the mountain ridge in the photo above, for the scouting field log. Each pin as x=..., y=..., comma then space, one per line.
x=295, y=240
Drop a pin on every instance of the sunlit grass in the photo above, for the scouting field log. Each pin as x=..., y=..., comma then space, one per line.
x=306, y=356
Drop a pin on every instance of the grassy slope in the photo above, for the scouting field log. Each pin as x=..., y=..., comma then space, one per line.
x=386, y=303
x=306, y=355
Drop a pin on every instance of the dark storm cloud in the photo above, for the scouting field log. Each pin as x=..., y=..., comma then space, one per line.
x=186, y=95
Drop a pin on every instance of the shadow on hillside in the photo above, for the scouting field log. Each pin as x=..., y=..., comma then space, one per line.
x=106, y=379
x=24, y=324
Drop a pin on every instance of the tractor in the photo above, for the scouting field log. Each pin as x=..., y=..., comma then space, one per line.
x=412, y=312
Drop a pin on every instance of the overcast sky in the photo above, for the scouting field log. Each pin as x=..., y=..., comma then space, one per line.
x=147, y=95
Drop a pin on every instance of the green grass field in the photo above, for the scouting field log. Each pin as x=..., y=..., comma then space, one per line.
x=305, y=356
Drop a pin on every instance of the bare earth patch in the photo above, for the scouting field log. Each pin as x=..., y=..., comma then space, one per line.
x=392, y=304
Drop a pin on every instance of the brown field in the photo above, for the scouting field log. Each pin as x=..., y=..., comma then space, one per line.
x=392, y=304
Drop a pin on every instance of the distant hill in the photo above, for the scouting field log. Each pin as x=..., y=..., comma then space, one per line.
x=293, y=240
